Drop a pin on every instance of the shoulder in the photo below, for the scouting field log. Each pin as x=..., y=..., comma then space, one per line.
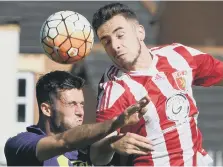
x=112, y=78
x=20, y=147
x=110, y=73
x=177, y=56
x=24, y=141
x=22, y=138
x=175, y=48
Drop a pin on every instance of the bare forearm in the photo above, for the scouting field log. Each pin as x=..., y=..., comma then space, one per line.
x=84, y=135
x=75, y=138
x=101, y=152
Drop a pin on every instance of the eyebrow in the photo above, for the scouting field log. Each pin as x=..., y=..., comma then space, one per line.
x=75, y=102
x=118, y=28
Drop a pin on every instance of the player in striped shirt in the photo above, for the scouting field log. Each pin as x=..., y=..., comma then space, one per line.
x=166, y=74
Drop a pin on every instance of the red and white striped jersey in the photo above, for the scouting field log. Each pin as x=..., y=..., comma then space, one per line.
x=171, y=120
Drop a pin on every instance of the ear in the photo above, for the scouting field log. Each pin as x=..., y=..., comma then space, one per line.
x=46, y=109
x=141, y=32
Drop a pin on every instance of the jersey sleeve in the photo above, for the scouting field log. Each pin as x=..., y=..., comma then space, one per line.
x=111, y=101
x=113, y=95
x=207, y=70
x=21, y=149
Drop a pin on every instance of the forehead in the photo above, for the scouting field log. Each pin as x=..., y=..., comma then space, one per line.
x=109, y=26
x=71, y=95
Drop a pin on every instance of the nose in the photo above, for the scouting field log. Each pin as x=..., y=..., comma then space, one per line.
x=79, y=111
x=115, y=45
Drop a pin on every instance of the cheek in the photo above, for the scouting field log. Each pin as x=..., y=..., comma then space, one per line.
x=69, y=113
x=65, y=113
x=134, y=45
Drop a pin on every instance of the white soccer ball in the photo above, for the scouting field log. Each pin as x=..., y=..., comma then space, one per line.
x=66, y=37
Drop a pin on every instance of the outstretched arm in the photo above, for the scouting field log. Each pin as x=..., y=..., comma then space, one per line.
x=84, y=135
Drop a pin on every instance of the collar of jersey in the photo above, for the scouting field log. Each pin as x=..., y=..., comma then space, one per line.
x=150, y=72
x=35, y=129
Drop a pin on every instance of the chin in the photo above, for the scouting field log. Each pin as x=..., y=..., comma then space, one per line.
x=80, y=123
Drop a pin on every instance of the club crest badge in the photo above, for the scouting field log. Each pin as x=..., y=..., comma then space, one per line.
x=181, y=79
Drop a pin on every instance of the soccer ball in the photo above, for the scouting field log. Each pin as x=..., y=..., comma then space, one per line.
x=66, y=37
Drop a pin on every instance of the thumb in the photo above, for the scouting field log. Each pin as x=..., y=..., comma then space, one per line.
x=133, y=109
x=144, y=101
x=138, y=106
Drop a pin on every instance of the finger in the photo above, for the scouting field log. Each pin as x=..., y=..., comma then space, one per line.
x=140, y=138
x=139, y=144
x=136, y=152
x=143, y=146
x=135, y=147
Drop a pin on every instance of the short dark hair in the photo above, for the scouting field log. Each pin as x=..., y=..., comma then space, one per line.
x=106, y=12
x=50, y=83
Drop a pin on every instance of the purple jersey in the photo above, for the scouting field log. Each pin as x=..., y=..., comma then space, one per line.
x=20, y=150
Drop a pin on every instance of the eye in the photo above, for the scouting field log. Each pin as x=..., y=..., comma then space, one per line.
x=120, y=34
x=106, y=42
x=72, y=103
x=82, y=104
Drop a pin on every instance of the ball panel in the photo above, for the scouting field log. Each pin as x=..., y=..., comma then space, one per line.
x=59, y=40
x=56, y=57
x=82, y=50
x=53, y=23
x=78, y=25
x=48, y=41
x=56, y=16
x=73, y=18
x=74, y=59
x=63, y=55
x=61, y=28
x=83, y=20
x=45, y=30
x=72, y=52
x=70, y=27
x=53, y=32
x=78, y=34
x=47, y=49
x=67, y=13
x=90, y=36
x=65, y=46
x=88, y=48
x=76, y=43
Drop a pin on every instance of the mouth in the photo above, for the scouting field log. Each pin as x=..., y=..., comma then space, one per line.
x=80, y=120
x=120, y=55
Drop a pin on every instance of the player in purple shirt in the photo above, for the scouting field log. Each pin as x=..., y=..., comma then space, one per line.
x=59, y=136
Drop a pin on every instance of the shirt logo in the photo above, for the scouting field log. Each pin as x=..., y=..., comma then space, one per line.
x=180, y=79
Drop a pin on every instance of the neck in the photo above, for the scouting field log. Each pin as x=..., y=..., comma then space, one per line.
x=44, y=125
x=144, y=60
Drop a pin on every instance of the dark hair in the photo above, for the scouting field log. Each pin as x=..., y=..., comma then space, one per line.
x=50, y=83
x=106, y=12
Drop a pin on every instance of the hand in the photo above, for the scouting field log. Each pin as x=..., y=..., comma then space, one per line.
x=130, y=143
x=134, y=113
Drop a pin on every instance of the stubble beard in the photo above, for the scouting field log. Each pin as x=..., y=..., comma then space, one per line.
x=132, y=64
